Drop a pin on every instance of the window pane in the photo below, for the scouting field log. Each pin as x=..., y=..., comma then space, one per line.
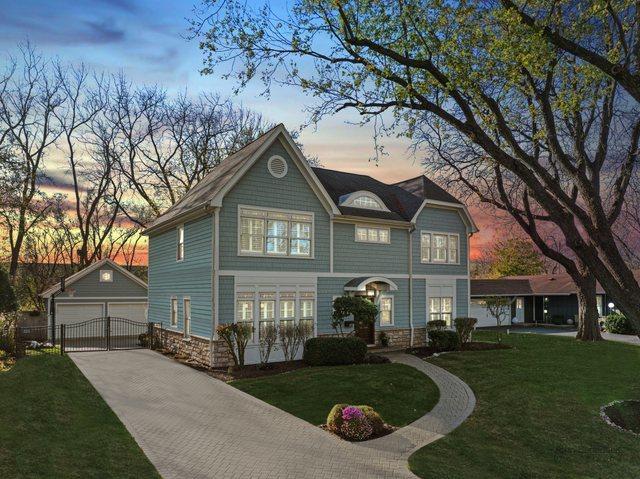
x=425, y=247
x=306, y=308
x=439, y=248
x=174, y=312
x=446, y=305
x=434, y=305
x=277, y=245
x=447, y=318
x=453, y=249
x=434, y=316
x=277, y=228
x=263, y=325
x=361, y=234
x=366, y=202
x=287, y=309
x=372, y=234
x=244, y=311
x=383, y=236
x=301, y=230
x=267, y=310
x=300, y=247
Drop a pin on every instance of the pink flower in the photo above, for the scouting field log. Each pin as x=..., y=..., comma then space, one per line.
x=351, y=412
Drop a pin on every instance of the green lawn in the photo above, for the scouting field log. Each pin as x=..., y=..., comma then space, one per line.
x=399, y=393
x=537, y=414
x=54, y=424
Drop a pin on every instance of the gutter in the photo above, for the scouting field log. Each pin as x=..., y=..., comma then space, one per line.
x=410, y=235
x=178, y=219
x=215, y=278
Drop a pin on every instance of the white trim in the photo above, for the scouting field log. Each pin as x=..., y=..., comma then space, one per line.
x=113, y=299
x=186, y=334
x=215, y=283
x=368, y=227
x=84, y=272
x=373, y=279
x=373, y=221
x=171, y=299
x=264, y=253
x=297, y=157
x=393, y=306
x=331, y=245
x=326, y=274
x=109, y=303
x=348, y=199
x=271, y=172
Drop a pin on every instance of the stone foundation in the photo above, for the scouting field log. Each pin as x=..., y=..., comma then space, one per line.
x=196, y=348
x=401, y=338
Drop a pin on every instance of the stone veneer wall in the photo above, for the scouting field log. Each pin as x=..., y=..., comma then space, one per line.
x=197, y=349
x=399, y=338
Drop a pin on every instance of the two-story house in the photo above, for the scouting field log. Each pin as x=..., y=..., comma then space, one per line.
x=266, y=237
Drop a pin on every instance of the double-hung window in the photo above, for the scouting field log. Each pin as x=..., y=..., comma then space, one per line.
x=287, y=309
x=174, y=312
x=441, y=308
x=275, y=233
x=180, y=244
x=371, y=234
x=439, y=248
x=307, y=309
x=386, y=310
x=186, y=313
x=267, y=311
x=244, y=309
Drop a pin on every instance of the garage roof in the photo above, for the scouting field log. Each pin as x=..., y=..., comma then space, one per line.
x=535, y=285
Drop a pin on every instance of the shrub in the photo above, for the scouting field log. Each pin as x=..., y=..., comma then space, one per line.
x=384, y=339
x=8, y=302
x=329, y=351
x=376, y=359
x=268, y=341
x=143, y=340
x=436, y=325
x=236, y=336
x=334, y=419
x=618, y=323
x=464, y=327
x=374, y=419
x=443, y=340
x=287, y=333
x=362, y=310
x=355, y=425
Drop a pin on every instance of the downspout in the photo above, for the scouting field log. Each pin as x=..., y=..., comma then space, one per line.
x=215, y=273
x=411, y=283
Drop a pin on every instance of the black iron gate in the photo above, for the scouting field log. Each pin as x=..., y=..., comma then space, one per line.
x=105, y=334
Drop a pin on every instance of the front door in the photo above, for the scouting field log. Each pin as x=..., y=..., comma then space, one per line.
x=366, y=332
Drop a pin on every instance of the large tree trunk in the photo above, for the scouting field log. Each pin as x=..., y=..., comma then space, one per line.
x=588, y=325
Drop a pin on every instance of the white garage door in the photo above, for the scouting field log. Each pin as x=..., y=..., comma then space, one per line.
x=479, y=311
x=132, y=311
x=76, y=313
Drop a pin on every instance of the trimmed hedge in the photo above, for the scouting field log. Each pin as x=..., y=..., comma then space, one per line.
x=329, y=351
x=444, y=340
x=618, y=323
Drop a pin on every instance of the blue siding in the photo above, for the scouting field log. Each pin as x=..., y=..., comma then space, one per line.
x=190, y=277
x=462, y=298
x=352, y=256
x=445, y=221
x=419, y=303
x=90, y=286
x=226, y=297
x=258, y=188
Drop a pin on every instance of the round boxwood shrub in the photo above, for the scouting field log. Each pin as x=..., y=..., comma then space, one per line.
x=330, y=351
x=443, y=340
x=374, y=419
x=334, y=419
x=618, y=323
x=355, y=423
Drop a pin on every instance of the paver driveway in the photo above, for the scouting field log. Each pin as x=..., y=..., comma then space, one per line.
x=193, y=426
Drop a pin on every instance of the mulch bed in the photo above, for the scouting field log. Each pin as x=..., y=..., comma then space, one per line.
x=231, y=374
x=624, y=415
x=428, y=351
x=388, y=429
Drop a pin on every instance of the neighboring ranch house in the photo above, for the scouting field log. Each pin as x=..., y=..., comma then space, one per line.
x=266, y=238
x=545, y=298
x=99, y=290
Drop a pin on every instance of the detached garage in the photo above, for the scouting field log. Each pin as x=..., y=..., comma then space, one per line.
x=101, y=289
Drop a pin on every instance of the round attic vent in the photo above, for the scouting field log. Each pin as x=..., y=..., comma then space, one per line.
x=277, y=166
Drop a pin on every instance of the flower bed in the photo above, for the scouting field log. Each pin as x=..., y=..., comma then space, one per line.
x=623, y=415
x=356, y=423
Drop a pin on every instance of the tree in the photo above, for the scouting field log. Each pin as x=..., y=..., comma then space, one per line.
x=8, y=302
x=515, y=257
x=361, y=309
x=499, y=308
x=524, y=125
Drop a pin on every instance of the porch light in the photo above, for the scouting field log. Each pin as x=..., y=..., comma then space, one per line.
x=546, y=311
x=371, y=292
x=611, y=305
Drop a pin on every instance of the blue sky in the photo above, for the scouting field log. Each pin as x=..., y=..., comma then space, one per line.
x=146, y=40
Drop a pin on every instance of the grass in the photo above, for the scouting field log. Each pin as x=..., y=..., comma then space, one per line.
x=54, y=424
x=399, y=393
x=625, y=414
x=537, y=414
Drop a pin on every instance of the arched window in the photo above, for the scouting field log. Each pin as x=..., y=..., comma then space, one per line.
x=363, y=199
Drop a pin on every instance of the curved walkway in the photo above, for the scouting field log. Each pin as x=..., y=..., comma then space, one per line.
x=191, y=425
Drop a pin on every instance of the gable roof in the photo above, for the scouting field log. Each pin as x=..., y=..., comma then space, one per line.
x=401, y=203
x=424, y=188
x=84, y=272
x=212, y=188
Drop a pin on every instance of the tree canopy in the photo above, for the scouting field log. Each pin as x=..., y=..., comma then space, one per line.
x=515, y=257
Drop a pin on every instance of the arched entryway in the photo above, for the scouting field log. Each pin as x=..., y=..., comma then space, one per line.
x=370, y=287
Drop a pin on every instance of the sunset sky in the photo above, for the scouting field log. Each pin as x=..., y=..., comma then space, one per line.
x=146, y=40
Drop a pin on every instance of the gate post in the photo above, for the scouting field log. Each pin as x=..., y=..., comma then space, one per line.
x=108, y=333
x=63, y=336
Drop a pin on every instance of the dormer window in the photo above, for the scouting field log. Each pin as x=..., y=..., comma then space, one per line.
x=106, y=276
x=363, y=199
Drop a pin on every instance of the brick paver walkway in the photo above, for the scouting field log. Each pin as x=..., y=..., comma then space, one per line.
x=192, y=426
